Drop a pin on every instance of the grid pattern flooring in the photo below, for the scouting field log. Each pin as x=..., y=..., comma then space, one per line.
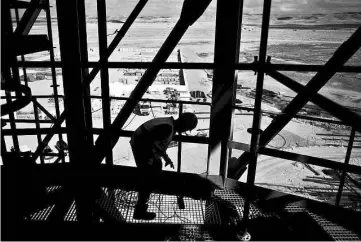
x=165, y=207
x=194, y=217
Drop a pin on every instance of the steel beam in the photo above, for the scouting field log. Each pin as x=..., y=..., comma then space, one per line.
x=37, y=125
x=69, y=22
x=192, y=10
x=53, y=73
x=348, y=117
x=104, y=77
x=257, y=114
x=85, y=71
x=347, y=161
x=340, y=57
x=195, y=65
x=29, y=17
x=49, y=135
x=68, y=25
x=119, y=36
x=299, y=158
x=226, y=51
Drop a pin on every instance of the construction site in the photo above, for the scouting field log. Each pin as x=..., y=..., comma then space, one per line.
x=276, y=152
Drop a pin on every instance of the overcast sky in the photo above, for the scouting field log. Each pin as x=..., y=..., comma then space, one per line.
x=307, y=6
x=171, y=8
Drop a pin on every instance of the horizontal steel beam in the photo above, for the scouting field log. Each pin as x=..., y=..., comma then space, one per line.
x=97, y=131
x=191, y=65
x=203, y=104
x=28, y=121
x=298, y=157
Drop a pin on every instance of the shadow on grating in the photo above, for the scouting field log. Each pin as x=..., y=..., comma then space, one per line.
x=165, y=207
x=224, y=207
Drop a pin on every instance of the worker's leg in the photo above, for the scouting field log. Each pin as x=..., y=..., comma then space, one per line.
x=146, y=166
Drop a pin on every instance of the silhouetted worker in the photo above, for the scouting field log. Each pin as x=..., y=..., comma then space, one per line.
x=149, y=144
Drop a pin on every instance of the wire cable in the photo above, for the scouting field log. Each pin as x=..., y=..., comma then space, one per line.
x=130, y=122
x=151, y=109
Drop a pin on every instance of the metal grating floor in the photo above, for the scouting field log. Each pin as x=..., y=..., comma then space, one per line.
x=196, y=215
x=165, y=206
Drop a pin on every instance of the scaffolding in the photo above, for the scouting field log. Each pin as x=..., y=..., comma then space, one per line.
x=87, y=154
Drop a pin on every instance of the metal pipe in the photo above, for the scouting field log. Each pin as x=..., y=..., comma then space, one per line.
x=347, y=161
x=257, y=113
x=104, y=76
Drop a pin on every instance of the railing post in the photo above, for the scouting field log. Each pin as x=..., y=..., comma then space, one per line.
x=179, y=161
x=347, y=161
x=254, y=147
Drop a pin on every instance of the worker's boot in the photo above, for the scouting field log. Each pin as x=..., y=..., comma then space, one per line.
x=140, y=212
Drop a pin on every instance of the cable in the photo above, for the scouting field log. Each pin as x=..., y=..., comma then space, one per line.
x=151, y=109
x=129, y=122
x=96, y=110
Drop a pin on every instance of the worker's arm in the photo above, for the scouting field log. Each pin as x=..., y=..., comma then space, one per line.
x=164, y=155
x=167, y=160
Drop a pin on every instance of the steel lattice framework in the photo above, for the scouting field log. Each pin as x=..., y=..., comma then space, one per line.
x=84, y=151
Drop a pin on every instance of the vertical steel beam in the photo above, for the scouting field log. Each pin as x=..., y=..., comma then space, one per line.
x=347, y=161
x=53, y=73
x=179, y=161
x=68, y=24
x=85, y=71
x=73, y=82
x=104, y=76
x=7, y=32
x=257, y=115
x=37, y=125
x=226, y=52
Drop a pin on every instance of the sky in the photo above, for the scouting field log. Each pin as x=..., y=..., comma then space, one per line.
x=305, y=6
x=172, y=7
x=329, y=10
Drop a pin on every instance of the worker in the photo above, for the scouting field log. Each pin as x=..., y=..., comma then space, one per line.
x=149, y=144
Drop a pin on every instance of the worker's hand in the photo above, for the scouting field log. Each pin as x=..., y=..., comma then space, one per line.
x=169, y=163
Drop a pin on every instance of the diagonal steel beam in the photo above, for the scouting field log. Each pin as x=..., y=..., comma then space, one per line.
x=340, y=57
x=191, y=11
x=138, y=8
x=121, y=33
x=29, y=17
x=48, y=137
x=340, y=112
